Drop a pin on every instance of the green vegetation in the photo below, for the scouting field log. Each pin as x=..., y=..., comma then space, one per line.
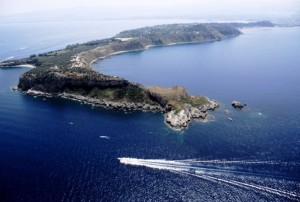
x=102, y=93
x=195, y=101
x=62, y=58
x=130, y=93
x=178, y=33
x=68, y=70
x=54, y=80
x=137, y=39
x=177, y=96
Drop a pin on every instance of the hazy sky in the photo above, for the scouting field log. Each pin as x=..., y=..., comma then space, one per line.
x=119, y=7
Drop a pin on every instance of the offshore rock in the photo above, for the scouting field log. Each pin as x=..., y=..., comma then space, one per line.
x=238, y=105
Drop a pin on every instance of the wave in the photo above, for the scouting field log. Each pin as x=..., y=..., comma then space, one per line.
x=287, y=194
x=225, y=174
x=224, y=161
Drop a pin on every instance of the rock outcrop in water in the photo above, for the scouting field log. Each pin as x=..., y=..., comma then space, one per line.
x=90, y=87
x=238, y=105
x=181, y=107
x=182, y=118
x=67, y=73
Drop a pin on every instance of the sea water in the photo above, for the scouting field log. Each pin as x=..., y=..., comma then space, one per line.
x=54, y=150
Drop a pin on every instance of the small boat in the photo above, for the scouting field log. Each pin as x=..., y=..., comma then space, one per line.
x=230, y=119
x=104, y=137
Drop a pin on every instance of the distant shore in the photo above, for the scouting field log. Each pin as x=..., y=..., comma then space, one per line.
x=149, y=47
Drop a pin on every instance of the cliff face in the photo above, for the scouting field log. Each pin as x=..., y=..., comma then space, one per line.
x=67, y=73
x=86, y=83
x=57, y=80
x=91, y=87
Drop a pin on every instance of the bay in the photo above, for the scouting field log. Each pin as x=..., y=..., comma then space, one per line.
x=51, y=149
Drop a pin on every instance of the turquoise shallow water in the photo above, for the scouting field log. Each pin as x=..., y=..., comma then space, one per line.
x=51, y=149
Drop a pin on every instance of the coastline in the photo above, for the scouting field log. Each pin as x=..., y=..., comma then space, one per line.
x=72, y=68
x=154, y=46
x=112, y=54
x=123, y=106
x=176, y=120
x=256, y=28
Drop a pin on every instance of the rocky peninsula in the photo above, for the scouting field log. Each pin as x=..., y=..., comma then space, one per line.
x=90, y=87
x=68, y=73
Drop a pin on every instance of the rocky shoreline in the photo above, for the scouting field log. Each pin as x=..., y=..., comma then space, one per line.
x=107, y=104
x=124, y=106
x=68, y=74
x=180, y=120
x=176, y=120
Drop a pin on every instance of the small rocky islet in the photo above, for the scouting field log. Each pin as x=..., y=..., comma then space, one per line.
x=238, y=105
x=68, y=73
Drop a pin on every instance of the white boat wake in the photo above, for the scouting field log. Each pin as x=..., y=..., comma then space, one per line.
x=104, y=137
x=208, y=171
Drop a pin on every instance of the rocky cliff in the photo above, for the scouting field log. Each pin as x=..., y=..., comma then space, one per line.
x=55, y=80
x=88, y=86
x=180, y=107
x=67, y=73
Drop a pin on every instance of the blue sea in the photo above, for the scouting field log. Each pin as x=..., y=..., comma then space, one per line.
x=53, y=149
